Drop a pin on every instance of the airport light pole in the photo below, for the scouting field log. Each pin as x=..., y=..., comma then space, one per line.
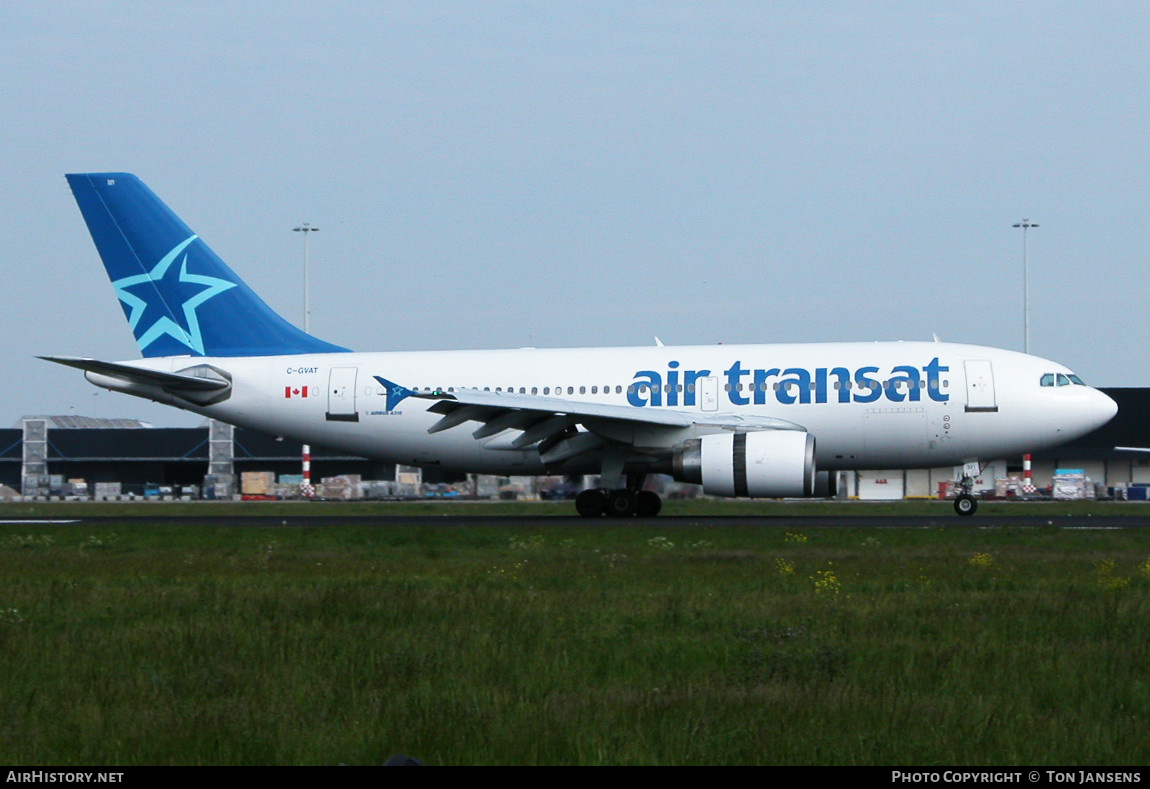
x=306, y=488
x=1025, y=224
x=306, y=229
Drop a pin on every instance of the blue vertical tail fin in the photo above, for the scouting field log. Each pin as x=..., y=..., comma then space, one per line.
x=178, y=296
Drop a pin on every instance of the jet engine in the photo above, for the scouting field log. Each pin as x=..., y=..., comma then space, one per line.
x=762, y=464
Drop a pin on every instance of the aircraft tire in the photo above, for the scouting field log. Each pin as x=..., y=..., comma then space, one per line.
x=647, y=504
x=620, y=503
x=591, y=503
x=965, y=505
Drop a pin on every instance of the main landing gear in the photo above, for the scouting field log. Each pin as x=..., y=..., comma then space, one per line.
x=621, y=503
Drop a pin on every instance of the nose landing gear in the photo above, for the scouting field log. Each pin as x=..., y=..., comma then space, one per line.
x=966, y=504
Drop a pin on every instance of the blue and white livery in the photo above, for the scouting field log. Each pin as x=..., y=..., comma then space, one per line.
x=741, y=420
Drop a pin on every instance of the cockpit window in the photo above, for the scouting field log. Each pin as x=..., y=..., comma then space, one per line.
x=1061, y=379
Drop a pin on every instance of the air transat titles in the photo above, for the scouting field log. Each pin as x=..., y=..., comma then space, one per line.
x=791, y=385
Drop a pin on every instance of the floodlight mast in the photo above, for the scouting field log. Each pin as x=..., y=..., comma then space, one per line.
x=306, y=228
x=1025, y=224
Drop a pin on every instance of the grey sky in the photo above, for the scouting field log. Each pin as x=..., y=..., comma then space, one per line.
x=554, y=174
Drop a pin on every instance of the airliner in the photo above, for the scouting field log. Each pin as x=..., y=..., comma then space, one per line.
x=760, y=421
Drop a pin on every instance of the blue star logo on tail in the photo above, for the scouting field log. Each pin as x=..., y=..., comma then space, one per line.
x=166, y=294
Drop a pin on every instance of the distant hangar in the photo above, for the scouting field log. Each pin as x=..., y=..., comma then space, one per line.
x=138, y=456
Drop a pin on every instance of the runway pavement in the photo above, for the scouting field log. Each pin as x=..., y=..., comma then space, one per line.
x=318, y=518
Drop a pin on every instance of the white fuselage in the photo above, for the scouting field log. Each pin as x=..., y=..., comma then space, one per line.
x=868, y=405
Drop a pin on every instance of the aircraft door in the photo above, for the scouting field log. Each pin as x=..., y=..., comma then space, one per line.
x=980, y=385
x=341, y=395
x=709, y=393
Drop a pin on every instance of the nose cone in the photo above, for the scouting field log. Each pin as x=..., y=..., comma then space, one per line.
x=1073, y=411
x=1102, y=409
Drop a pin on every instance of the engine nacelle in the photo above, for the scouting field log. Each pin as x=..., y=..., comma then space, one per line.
x=766, y=464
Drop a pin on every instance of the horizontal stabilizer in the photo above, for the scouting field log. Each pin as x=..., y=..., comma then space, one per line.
x=194, y=380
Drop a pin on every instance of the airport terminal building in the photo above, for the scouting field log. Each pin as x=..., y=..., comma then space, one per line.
x=101, y=458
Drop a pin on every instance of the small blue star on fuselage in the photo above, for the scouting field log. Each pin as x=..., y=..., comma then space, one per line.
x=165, y=287
x=396, y=394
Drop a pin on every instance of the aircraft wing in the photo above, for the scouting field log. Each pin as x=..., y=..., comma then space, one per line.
x=553, y=423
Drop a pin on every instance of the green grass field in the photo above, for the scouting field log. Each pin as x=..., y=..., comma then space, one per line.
x=501, y=644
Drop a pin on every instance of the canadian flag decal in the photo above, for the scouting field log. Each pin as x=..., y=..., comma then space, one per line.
x=295, y=391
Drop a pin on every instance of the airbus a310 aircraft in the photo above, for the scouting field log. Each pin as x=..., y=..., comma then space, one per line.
x=741, y=420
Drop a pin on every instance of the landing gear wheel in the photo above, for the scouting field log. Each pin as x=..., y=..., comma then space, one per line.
x=965, y=504
x=590, y=503
x=647, y=504
x=620, y=503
